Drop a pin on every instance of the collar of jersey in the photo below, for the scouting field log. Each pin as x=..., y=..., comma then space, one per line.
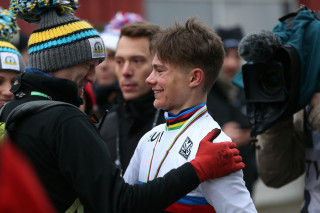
x=177, y=121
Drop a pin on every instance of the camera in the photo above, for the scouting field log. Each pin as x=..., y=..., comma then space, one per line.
x=272, y=88
x=264, y=82
x=282, y=72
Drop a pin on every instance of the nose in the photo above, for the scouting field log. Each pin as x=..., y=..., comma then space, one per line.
x=126, y=69
x=232, y=62
x=150, y=79
x=91, y=75
x=6, y=90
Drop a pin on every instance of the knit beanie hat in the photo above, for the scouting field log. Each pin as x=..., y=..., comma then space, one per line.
x=10, y=57
x=230, y=36
x=61, y=40
x=111, y=32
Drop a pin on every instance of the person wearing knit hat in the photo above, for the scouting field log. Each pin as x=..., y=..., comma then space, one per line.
x=227, y=103
x=64, y=146
x=11, y=61
x=106, y=87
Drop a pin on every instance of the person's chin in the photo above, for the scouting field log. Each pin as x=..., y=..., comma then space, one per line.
x=157, y=104
x=130, y=96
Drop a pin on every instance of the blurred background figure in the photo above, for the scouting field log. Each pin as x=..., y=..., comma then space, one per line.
x=134, y=114
x=11, y=61
x=106, y=87
x=20, y=187
x=227, y=104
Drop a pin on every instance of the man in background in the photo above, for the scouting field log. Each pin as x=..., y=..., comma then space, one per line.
x=134, y=113
x=227, y=103
x=106, y=88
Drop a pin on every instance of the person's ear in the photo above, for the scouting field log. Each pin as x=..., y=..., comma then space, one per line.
x=196, y=77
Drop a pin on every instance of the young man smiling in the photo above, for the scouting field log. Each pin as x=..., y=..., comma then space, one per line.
x=186, y=64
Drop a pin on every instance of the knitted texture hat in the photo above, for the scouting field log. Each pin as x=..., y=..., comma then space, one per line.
x=10, y=57
x=111, y=32
x=61, y=40
x=230, y=36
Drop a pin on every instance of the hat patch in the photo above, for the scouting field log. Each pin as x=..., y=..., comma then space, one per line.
x=9, y=61
x=97, y=48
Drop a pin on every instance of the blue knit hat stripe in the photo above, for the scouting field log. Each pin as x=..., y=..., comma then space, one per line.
x=5, y=49
x=63, y=41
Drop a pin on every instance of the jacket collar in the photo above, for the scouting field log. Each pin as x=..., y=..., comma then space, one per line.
x=139, y=108
x=56, y=88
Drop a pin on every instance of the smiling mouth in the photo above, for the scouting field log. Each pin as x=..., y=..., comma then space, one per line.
x=157, y=93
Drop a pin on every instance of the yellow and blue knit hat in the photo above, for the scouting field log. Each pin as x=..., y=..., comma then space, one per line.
x=61, y=40
x=10, y=57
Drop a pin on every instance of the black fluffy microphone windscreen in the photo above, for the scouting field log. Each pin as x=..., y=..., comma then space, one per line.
x=259, y=46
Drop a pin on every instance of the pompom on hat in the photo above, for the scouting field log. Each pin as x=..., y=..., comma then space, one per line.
x=61, y=40
x=10, y=57
x=111, y=32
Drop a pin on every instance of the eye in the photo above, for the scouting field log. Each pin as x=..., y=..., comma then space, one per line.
x=159, y=71
x=92, y=66
x=2, y=80
x=138, y=60
x=119, y=61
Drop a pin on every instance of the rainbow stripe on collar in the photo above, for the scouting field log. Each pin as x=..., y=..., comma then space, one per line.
x=177, y=121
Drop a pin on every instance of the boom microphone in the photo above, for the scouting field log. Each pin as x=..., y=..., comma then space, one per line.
x=258, y=46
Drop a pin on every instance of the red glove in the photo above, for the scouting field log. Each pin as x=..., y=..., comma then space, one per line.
x=214, y=160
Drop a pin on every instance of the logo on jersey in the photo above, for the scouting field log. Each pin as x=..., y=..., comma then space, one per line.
x=155, y=137
x=186, y=147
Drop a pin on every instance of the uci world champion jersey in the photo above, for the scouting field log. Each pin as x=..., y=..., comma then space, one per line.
x=169, y=145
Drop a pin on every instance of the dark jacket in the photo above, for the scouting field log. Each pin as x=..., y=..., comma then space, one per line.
x=106, y=97
x=224, y=110
x=126, y=124
x=72, y=159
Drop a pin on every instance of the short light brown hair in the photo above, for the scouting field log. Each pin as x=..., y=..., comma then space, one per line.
x=193, y=45
x=140, y=29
